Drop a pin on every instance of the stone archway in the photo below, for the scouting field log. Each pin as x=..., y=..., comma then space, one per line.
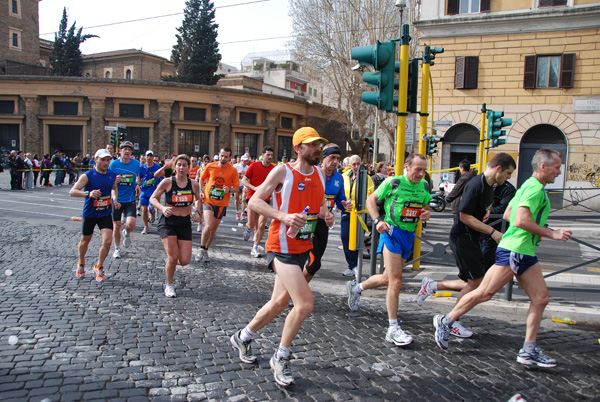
x=461, y=141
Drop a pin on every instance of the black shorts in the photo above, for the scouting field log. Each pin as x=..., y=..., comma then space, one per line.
x=218, y=211
x=290, y=259
x=180, y=226
x=127, y=208
x=320, y=238
x=468, y=256
x=88, y=224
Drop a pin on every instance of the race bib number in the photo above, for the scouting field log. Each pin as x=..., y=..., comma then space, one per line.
x=306, y=231
x=182, y=198
x=126, y=180
x=150, y=183
x=102, y=204
x=329, y=200
x=411, y=212
x=216, y=193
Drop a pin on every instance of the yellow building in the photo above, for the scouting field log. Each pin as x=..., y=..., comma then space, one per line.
x=538, y=61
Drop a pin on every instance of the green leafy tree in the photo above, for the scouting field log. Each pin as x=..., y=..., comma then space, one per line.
x=196, y=54
x=66, y=58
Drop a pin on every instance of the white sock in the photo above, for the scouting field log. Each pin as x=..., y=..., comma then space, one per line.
x=358, y=288
x=283, y=352
x=246, y=335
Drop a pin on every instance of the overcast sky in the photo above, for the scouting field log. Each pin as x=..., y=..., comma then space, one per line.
x=244, y=25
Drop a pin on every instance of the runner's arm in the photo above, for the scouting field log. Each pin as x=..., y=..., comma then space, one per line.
x=198, y=195
x=523, y=220
x=115, y=195
x=476, y=224
x=77, y=189
x=381, y=226
x=155, y=197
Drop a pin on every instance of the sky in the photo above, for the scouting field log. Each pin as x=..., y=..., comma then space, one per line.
x=245, y=26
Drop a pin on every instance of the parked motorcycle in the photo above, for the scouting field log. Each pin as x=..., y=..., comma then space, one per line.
x=438, y=200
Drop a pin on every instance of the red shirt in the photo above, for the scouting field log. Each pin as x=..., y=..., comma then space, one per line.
x=257, y=173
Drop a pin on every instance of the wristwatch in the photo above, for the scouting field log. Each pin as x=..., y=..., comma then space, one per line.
x=86, y=194
x=376, y=220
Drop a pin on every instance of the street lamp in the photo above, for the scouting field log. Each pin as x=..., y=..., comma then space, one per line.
x=401, y=4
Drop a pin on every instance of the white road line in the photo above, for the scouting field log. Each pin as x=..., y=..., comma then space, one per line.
x=42, y=205
x=33, y=212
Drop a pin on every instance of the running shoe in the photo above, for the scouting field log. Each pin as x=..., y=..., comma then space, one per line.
x=353, y=298
x=117, y=253
x=237, y=216
x=205, y=257
x=247, y=234
x=459, y=331
x=536, y=357
x=442, y=332
x=398, y=337
x=291, y=304
x=126, y=238
x=80, y=270
x=199, y=227
x=145, y=230
x=170, y=290
x=244, y=348
x=350, y=272
x=425, y=291
x=198, y=256
x=282, y=371
x=139, y=212
x=123, y=219
x=99, y=271
x=255, y=252
x=152, y=218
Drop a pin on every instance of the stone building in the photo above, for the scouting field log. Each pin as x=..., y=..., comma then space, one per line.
x=539, y=62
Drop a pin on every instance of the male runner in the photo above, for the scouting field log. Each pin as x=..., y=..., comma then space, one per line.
x=241, y=167
x=221, y=180
x=194, y=168
x=254, y=177
x=527, y=212
x=473, y=213
x=406, y=201
x=127, y=170
x=148, y=183
x=96, y=186
x=296, y=186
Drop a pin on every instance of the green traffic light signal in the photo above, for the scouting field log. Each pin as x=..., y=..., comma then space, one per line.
x=113, y=138
x=495, y=124
x=380, y=56
x=431, y=145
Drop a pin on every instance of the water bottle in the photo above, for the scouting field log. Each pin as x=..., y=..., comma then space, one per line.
x=292, y=232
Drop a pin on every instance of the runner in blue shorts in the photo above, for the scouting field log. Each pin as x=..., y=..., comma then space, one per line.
x=527, y=213
x=148, y=183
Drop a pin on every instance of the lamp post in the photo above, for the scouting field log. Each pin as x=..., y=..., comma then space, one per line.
x=401, y=4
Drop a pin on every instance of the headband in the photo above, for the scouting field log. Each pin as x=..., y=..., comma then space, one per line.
x=330, y=151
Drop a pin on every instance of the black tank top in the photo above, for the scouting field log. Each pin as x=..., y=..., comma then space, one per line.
x=180, y=197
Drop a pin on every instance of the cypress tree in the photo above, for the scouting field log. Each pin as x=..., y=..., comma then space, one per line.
x=66, y=58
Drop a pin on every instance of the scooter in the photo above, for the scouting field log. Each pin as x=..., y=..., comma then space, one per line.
x=438, y=200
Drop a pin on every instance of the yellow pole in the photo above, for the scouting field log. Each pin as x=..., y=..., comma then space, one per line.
x=481, y=140
x=402, y=101
x=486, y=150
x=424, y=109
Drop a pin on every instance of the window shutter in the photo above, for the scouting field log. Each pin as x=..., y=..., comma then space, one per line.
x=567, y=70
x=459, y=73
x=471, y=72
x=453, y=7
x=529, y=76
x=485, y=6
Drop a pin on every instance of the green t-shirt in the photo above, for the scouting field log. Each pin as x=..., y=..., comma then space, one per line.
x=403, y=206
x=530, y=195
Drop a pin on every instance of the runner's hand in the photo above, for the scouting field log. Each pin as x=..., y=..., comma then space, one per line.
x=118, y=179
x=329, y=219
x=295, y=220
x=347, y=205
x=497, y=236
x=95, y=194
x=167, y=211
x=425, y=215
x=196, y=217
x=382, y=227
x=562, y=234
x=117, y=205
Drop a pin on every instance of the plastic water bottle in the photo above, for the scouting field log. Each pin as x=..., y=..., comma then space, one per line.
x=292, y=232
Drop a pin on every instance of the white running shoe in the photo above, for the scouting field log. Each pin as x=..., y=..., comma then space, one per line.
x=117, y=253
x=255, y=252
x=442, y=332
x=123, y=219
x=537, y=357
x=350, y=272
x=204, y=255
x=145, y=230
x=459, y=331
x=126, y=238
x=353, y=297
x=198, y=256
x=199, y=227
x=425, y=291
x=247, y=234
x=398, y=337
x=170, y=290
x=260, y=249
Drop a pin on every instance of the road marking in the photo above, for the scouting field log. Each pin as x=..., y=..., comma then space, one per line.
x=33, y=212
x=41, y=205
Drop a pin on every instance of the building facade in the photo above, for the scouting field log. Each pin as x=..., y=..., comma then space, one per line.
x=538, y=61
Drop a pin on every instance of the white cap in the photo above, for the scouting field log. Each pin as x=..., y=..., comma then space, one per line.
x=149, y=152
x=216, y=158
x=245, y=157
x=102, y=153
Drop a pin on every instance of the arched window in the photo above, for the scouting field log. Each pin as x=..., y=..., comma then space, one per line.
x=107, y=74
x=128, y=74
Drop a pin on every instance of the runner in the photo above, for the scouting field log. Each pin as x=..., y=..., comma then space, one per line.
x=127, y=170
x=96, y=186
x=473, y=214
x=296, y=186
x=254, y=177
x=175, y=226
x=221, y=180
x=241, y=168
x=194, y=167
x=527, y=212
x=148, y=183
x=406, y=201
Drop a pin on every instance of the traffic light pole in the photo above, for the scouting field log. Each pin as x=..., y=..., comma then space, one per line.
x=482, y=137
x=402, y=101
x=424, y=113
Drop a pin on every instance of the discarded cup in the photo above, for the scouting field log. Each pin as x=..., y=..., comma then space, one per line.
x=76, y=218
x=443, y=294
x=234, y=229
x=567, y=320
x=8, y=272
x=13, y=340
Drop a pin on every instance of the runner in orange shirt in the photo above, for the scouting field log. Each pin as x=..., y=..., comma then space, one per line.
x=221, y=180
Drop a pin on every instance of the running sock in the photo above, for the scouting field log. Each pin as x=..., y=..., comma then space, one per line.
x=203, y=248
x=529, y=347
x=358, y=288
x=80, y=263
x=246, y=335
x=434, y=287
x=393, y=324
x=447, y=321
x=283, y=352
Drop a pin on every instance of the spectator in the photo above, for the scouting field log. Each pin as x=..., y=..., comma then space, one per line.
x=381, y=173
x=77, y=165
x=466, y=175
x=28, y=177
x=46, y=170
x=36, y=170
x=57, y=166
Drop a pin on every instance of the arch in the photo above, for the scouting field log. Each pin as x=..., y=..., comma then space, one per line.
x=107, y=74
x=128, y=74
x=461, y=141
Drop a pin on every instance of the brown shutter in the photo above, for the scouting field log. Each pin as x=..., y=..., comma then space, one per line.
x=567, y=70
x=529, y=76
x=471, y=72
x=459, y=73
x=485, y=6
x=453, y=7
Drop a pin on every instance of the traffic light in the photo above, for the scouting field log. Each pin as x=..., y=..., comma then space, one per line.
x=371, y=142
x=413, y=86
x=429, y=54
x=432, y=144
x=121, y=137
x=495, y=123
x=113, y=138
x=382, y=57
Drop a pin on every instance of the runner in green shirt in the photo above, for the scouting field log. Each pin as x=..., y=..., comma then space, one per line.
x=406, y=201
x=515, y=256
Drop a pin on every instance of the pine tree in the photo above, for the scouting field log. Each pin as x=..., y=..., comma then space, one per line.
x=66, y=58
x=196, y=54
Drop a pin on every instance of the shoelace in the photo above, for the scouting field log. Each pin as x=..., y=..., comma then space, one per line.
x=286, y=369
x=540, y=354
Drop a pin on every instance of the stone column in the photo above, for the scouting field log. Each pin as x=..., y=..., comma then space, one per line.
x=32, y=138
x=223, y=132
x=163, y=136
x=97, y=137
x=270, y=137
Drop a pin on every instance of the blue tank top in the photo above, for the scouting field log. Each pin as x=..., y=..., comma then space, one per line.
x=98, y=208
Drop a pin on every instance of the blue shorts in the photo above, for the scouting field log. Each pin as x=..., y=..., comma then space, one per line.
x=518, y=263
x=145, y=199
x=400, y=241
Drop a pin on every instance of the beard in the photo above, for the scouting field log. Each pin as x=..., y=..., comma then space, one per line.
x=315, y=160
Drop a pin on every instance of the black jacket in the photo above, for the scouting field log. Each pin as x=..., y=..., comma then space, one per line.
x=454, y=197
x=502, y=196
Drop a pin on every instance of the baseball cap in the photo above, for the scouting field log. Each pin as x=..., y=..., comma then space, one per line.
x=149, y=152
x=245, y=157
x=216, y=158
x=306, y=135
x=125, y=144
x=102, y=153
